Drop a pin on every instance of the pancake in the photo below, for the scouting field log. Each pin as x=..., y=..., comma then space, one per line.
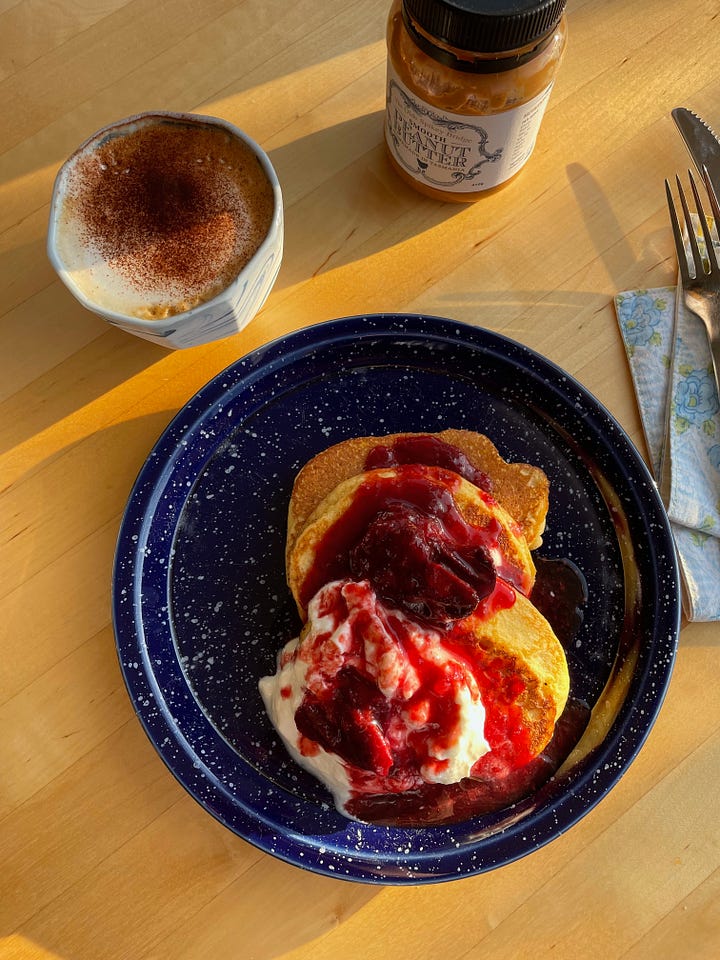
x=422, y=669
x=528, y=649
x=519, y=488
x=320, y=552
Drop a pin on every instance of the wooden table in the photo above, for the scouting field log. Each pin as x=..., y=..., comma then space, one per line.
x=102, y=853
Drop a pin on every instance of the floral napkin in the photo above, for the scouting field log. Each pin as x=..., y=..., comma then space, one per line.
x=671, y=367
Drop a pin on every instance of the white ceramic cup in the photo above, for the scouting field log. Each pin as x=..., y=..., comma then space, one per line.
x=227, y=312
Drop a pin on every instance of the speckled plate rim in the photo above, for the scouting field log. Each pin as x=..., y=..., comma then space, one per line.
x=364, y=852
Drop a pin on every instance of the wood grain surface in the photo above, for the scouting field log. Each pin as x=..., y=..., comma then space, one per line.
x=102, y=853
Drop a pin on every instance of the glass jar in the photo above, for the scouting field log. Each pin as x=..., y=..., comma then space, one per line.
x=467, y=86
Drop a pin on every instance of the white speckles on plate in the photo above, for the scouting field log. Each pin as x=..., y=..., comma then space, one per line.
x=201, y=606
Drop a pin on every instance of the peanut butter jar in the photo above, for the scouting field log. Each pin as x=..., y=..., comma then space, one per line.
x=467, y=86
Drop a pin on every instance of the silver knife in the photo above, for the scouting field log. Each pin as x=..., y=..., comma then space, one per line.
x=702, y=144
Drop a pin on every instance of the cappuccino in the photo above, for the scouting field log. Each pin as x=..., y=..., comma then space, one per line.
x=161, y=214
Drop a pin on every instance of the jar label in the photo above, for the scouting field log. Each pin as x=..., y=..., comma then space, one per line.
x=459, y=152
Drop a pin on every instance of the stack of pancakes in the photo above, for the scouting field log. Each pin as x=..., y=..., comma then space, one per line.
x=515, y=505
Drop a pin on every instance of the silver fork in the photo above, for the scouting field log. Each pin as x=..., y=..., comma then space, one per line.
x=700, y=278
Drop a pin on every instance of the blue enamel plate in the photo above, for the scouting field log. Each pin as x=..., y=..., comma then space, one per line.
x=201, y=606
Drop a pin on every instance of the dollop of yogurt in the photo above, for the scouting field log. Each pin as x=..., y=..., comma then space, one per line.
x=371, y=702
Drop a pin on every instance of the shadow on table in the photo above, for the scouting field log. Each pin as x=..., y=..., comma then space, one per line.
x=654, y=266
x=370, y=206
x=61, y=363
x=338, y=190
x=368, y=209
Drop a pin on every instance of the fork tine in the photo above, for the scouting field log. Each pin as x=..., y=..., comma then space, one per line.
x=697, y=259
x=714, y=204
x=709, y=245
x=677, y=234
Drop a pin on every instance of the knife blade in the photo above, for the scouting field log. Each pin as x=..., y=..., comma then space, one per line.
x=702, y=144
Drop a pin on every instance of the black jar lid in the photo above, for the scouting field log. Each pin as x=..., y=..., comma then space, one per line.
x=487, y=26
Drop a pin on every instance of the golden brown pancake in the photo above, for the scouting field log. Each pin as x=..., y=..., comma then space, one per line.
x=520, y=489
x=529, y=649
x=510, y=552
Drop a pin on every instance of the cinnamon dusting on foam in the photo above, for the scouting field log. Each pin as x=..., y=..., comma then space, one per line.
x=163, y=217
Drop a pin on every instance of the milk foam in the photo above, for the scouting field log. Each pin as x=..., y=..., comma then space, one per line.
x=121, y=281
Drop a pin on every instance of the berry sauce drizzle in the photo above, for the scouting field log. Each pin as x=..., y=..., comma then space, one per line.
x=501, y=778
x=404, y=537
x=435, y=804
x=429, y=451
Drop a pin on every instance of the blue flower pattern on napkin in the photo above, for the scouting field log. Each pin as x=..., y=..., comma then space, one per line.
x=695, y=401
x=640, y=315
x=648, y=320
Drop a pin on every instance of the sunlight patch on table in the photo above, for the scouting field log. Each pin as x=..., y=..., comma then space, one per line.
x=17, y=947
